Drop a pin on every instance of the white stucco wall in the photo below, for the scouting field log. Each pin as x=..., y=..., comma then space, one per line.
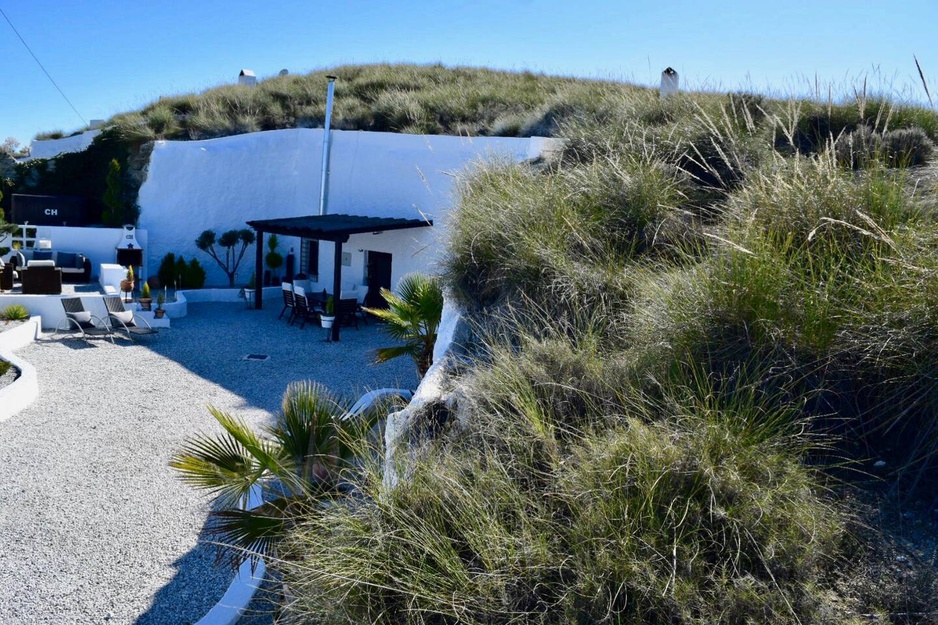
x=220, y=184
x=54, y=147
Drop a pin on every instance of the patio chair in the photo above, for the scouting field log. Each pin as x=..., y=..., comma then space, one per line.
x=288, y=301
x=125, y=320
x=41, y=277
x=81, y=320
x=304, y=308
x=346, y=311
x=8, y=276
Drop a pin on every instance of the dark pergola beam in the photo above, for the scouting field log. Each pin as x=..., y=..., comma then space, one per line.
x=258, y=271
x=337, y=286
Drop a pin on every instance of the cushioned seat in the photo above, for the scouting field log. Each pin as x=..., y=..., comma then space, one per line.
x=81, y=320
x=41, y=277
x=125, y=320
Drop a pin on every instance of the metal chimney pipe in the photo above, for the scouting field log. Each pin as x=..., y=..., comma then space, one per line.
x=326, y=146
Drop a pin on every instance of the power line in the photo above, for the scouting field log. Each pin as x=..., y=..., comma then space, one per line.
x=43, y=68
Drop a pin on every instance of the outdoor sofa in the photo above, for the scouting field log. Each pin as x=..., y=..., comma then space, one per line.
x=41, y=277
x=75, y=267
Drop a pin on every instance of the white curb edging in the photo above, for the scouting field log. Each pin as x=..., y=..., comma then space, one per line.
x=25, y=389
x=230, y=608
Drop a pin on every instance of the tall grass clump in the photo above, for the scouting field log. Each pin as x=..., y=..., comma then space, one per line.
x=426, y=99
x=817, y=272
x=560, y=235
x=565, y=500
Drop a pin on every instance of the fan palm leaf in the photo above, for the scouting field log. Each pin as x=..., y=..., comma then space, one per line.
x=413, y=317
x=298, y=463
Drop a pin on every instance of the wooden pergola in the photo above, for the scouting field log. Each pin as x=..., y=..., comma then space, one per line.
x=335, y=228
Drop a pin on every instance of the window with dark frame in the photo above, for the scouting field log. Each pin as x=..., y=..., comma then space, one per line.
x=310, y=260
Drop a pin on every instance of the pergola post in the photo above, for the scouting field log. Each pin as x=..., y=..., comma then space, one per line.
x=337, y=284
x=259, y=271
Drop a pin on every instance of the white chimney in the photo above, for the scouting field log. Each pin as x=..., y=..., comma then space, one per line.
x=247, y=78
x=669, y=82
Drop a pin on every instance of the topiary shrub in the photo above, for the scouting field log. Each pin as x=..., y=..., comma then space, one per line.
x=180, y=269
x=167, y=271
x=195, y=275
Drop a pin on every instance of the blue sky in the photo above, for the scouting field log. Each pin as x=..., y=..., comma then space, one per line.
x=111, y=56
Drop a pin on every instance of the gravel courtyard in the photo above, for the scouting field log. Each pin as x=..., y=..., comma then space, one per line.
x=94, y=525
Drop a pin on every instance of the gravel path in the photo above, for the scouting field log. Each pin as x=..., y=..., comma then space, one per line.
x=94, y=526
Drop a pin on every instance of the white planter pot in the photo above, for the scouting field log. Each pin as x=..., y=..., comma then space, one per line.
x=327, y=321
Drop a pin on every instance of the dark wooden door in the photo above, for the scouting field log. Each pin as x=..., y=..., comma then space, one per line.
x=379, y=276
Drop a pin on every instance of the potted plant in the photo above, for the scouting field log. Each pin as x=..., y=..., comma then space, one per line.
x=160, y=300
x=274, y=258
x=145, y=300
x=328, y=317
x=127, y=284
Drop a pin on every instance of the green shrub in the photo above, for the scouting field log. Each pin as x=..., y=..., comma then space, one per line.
x=47, y=135
x=907, y=147
x=14, y=312
x=814, y=277
x=273, y=258
x=167, y=272
x=195, y=275
x=182, y=270
x=189, y=275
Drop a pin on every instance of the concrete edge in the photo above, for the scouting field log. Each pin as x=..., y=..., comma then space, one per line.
x=227, y=295
x=25, y=389
x=230, y=608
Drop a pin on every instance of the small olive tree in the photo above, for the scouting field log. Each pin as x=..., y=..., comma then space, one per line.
x=229, y=241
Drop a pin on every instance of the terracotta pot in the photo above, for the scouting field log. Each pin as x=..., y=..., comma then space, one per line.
x=127, y=286
x=158, y=313
x=146, y=303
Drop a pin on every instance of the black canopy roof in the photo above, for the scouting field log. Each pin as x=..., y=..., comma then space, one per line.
x=334, y=227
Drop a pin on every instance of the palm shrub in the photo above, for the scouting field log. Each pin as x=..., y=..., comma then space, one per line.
x=412, y=316
x=299, y=461
x=167, y=271
x=14, y=312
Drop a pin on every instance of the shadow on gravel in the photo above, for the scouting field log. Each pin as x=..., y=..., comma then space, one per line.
x=76, y=343
x=213, y=340
x=174, y=603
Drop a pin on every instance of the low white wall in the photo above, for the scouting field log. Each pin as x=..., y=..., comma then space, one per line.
x=25, y=389
x=53, y=147
x=220, y=184
x=228, y=295
x=49, y=307
x=99, y=245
